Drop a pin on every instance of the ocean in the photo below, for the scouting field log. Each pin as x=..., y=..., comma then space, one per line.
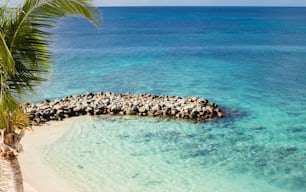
x=251, y=61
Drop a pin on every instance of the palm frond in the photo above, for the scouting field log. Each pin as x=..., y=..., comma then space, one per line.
x=7, y=104
x=28, y=31
x=6, y=60
x=19, y=120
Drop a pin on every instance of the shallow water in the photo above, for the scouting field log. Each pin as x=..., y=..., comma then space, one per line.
x=113, y=153
x=251, y=61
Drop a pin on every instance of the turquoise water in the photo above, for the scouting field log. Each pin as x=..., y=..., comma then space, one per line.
x=251, y=61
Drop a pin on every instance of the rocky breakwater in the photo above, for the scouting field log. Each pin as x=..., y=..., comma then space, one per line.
x=193, y=108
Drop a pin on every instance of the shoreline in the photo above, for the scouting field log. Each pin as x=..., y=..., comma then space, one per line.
x=48, y=126
x=37, y=175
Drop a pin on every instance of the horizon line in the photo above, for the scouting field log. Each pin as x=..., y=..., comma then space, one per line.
x=263, y=6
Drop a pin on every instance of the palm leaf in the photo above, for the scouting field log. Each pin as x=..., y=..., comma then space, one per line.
x=6, y=61
x=27, y=34
x=24, y=49
x=19, y=120
x=7, y=104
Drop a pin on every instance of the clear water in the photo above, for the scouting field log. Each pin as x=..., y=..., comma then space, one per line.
x=251, y=61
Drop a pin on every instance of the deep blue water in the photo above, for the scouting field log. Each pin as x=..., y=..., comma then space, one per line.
x=251, y=61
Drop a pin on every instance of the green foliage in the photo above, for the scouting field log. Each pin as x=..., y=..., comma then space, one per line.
x=26, y=30
x=14, y=120
x=6, y=59
x=24, y=47
x=8, y=104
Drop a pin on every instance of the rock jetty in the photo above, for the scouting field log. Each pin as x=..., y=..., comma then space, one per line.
x=192, y=108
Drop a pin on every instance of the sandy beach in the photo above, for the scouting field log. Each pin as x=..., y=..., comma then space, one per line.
x=37, y=175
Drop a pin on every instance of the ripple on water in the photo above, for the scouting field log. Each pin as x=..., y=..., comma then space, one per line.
x=113, y=153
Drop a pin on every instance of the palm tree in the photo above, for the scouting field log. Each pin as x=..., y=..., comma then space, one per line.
x=24, y=58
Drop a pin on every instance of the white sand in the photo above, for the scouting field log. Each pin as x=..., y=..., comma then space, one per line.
x=37, y=175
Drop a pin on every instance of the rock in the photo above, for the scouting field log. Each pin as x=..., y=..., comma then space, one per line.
x=115, y=109
x=129, y=112
x=166, y=111
x=142, y=109
x=157, y=107
x=121, y=113
x=123, y=104
x=203, y=100
x=219, y=114
x=150, y=113
x=31, y=117
x=188, y=109
x=135, y=109
x=37, y=120
x=173, y=112
x=98, y=112
x=209, y=108
x=59, y=107
x=106, y=101
x=88, y=109
x=158, y=113
x=77, y=108
x=194, y=99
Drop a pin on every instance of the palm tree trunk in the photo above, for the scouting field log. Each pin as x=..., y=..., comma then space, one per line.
x=10, y=175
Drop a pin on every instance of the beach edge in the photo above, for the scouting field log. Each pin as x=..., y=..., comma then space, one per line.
x=37, y=175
